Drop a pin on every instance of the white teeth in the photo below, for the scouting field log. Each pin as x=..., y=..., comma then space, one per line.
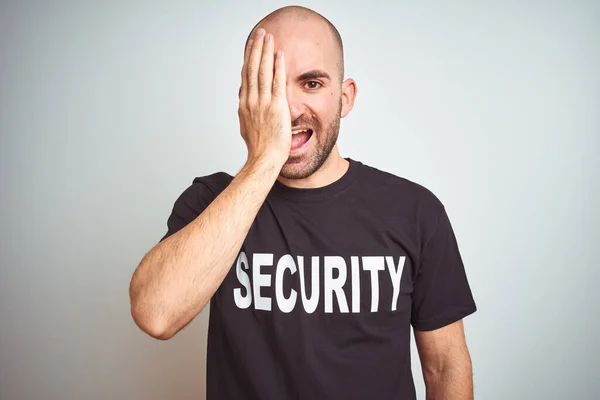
x=297, y=132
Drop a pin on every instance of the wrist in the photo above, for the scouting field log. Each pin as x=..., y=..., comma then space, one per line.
x=264, y=167
x=266, y=162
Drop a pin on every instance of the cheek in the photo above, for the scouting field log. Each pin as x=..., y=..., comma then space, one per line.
x=324, y=105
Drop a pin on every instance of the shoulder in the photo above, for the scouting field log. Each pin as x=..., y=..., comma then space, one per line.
x=398, y=188
x=214, y=183
x=204, y=189
x=195, y=199
x=401, y=200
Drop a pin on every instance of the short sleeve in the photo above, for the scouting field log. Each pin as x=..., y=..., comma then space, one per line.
x=441, y=291
x=188, y=206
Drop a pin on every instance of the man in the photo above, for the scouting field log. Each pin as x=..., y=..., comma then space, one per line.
x=315, y=266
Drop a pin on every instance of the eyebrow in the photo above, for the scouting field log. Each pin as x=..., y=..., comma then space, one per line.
x=313, y=74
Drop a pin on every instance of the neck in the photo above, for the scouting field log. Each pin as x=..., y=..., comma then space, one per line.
x=332, y=169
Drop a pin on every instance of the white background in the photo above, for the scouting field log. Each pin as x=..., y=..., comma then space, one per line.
x=108, y=110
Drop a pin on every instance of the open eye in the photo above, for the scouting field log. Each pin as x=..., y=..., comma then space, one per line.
x=312, y=85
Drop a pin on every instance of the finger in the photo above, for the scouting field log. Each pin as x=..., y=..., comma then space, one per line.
x=265, y=73
x=244, y=87
x=280, y=76
x=253, y=64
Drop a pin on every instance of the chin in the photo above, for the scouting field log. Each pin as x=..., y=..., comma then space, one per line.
x=297, y=169
x=301, y=167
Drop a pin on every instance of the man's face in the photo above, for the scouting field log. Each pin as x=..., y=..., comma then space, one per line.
x=313, y=91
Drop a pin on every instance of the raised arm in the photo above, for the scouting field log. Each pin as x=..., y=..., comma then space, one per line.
x=177, y=278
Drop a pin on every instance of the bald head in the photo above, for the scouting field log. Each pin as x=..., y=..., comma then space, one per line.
x=302, y=15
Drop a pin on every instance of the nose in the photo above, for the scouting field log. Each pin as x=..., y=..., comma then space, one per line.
x=295, y=103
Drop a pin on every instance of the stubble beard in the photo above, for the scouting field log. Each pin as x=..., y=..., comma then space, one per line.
x=304, y=166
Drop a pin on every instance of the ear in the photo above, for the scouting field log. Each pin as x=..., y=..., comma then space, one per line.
x=348, y=96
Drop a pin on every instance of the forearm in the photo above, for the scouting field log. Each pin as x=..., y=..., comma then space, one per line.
x=451, y=383
x=178, y=277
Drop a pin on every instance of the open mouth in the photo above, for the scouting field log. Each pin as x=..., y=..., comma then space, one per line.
x=300, y=137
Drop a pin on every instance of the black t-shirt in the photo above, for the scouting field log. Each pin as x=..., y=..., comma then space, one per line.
x=320, y=301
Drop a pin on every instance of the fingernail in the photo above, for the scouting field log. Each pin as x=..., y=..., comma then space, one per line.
x=260, y=33
x=268, y=38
